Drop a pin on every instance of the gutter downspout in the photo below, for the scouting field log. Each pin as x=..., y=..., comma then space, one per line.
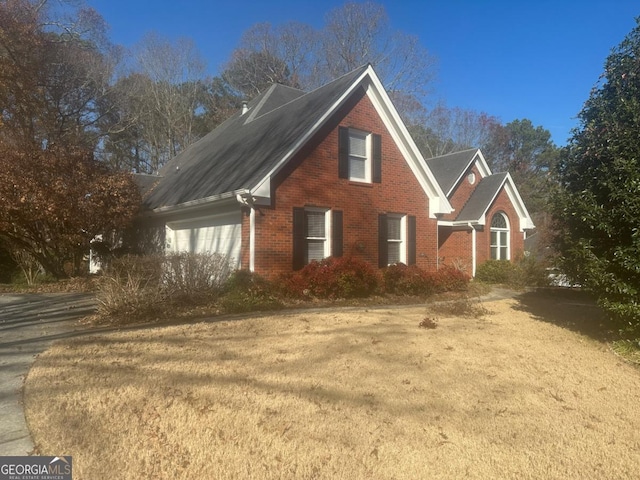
x=438, y=215
x=252, y=239
x=245, y=198
x=473, y=250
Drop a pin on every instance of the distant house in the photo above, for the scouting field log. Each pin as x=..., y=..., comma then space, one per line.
x=296, y=177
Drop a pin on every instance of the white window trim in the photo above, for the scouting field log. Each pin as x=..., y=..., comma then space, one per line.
x=367, y=157
x=403, y=237
x=498, y=230
x=327, y=232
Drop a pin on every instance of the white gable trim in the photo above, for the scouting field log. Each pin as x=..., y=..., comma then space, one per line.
x=264, y=185
x=480, y=162
x=438, y=202
x=525, y=221
x=514, y=196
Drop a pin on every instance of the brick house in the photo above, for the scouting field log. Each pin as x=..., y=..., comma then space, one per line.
x=489, y=221
x=296, y=177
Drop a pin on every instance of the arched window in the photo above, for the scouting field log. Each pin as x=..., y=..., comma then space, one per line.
x=500, y=237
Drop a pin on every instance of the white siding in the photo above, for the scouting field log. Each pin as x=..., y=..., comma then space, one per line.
x=220, y=234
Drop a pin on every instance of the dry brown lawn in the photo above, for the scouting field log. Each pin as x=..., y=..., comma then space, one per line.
x=353, y=394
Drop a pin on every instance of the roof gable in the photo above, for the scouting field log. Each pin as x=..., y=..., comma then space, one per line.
x=238, y=154
x=243, y=153
x=449, y=169
x=483, y=196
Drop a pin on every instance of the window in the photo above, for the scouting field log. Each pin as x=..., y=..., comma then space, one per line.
x=471, y=178
x=396, y=239
x=359, y=155
x=499, y=237
x=317, y=234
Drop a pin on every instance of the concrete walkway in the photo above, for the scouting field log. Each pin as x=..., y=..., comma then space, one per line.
x=29, y=323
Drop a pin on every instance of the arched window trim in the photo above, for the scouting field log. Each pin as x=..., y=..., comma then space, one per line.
x=500, y=241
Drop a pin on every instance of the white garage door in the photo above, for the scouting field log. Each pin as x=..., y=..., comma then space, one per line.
x=220, y=234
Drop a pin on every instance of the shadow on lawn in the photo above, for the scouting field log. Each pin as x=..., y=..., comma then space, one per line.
x=569, y=308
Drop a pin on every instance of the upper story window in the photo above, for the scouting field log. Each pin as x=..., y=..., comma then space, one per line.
x=500, y=237
x=359, y=155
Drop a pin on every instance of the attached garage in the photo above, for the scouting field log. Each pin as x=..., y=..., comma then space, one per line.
x=216, y=234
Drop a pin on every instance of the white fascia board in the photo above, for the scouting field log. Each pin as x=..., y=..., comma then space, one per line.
x=481, y=163
x=483, y=217
x=264, y=185
x=220, y=199
x=523, y=214
x=464, y=170
x=524, y=219
x=438, y=202
x=462, y=223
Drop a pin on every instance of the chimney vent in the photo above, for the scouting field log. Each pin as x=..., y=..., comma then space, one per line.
x=245, y=108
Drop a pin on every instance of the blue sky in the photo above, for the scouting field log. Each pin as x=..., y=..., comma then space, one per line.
x=535, y=59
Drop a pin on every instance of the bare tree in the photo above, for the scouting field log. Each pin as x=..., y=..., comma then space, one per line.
x=355, y=34
x=267, y=54
x=360, y=33
x=163, y=103
x=445, y=130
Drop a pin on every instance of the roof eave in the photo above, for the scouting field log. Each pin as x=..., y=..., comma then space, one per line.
x=218, y=199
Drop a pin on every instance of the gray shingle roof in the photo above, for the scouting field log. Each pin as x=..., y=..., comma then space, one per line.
x=244, y=149
x=449, y=168
x=481, y=198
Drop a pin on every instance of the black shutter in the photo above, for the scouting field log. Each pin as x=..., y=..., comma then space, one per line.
x=383, y=244
x=343, y=152
x=411, y=240
x=336, y=234
x=299, y=238
x=376, y=158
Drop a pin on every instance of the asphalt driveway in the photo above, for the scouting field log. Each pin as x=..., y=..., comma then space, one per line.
x=29, y=323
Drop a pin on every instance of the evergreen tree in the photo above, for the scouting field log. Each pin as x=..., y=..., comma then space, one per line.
x=599, y=174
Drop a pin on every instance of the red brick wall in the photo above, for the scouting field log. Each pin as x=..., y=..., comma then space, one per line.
x=462, y=192
x=456, y=247
x=311, y=179
x=483, y=239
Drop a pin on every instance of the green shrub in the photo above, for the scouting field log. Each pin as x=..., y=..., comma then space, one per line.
x=246, y=291
x=525, y=271
x=495, y=271
x=344, y=277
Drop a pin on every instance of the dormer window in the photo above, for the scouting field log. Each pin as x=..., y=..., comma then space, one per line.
x=359, y=155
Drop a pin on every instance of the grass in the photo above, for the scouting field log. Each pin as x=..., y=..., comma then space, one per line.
x=351, y=393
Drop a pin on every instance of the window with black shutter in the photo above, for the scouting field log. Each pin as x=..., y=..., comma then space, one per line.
x=359, y=155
